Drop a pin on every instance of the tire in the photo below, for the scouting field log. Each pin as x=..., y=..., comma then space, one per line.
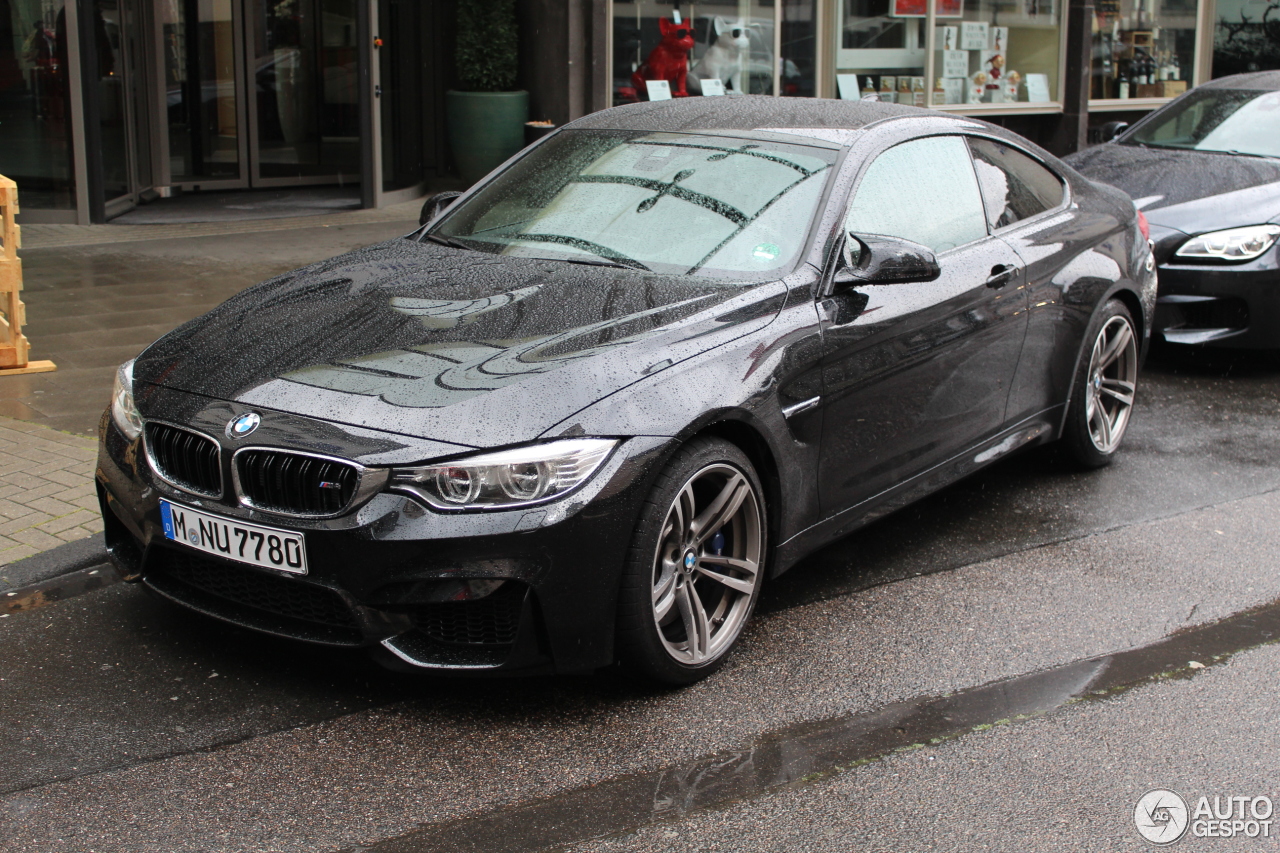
x=1103, y=389
x=691, y=581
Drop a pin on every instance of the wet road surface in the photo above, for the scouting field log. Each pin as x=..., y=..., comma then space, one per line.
x=126, y=725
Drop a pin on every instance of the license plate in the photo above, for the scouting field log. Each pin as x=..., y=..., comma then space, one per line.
x=254, y=544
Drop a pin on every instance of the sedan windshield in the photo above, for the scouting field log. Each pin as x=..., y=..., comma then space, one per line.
x=1235, y=121
x=703, y=205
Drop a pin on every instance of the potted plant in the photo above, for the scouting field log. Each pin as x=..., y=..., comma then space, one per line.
x=486, y=114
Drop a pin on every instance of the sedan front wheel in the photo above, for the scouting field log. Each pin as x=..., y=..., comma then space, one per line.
x=694, y=572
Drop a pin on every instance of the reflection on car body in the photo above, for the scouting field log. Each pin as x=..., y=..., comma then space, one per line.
x=585, y=412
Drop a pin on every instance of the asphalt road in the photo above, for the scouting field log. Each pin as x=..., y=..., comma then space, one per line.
x=128, y=726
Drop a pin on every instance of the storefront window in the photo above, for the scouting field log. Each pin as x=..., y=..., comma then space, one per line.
x=984, y=51
x=35, y=103
x=1143, y=48
x=730, y=43
x=880, y=49
x=998, y=52
x=1246, y=37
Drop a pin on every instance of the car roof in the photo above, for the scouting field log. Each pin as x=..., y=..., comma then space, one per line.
x=1261, y=80
x=748, y=113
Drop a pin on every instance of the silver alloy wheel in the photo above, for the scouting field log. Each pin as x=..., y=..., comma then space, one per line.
x=1112, y=378
x=706, y=567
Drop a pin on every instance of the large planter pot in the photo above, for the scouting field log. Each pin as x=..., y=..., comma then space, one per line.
x=485, y=128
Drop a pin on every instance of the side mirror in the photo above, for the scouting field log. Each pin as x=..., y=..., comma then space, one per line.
x=436, y=205
x=876, y=259
x=1112, y=129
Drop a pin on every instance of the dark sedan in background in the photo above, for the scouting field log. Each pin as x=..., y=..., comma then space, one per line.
x=1205, y=170
x=651, y=362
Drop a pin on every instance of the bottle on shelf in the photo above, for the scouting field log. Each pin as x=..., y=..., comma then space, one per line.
x=1123, y=86
x=1175, y=72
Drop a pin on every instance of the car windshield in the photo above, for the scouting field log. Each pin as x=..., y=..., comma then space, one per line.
x=1236, y=121
x=702, y=205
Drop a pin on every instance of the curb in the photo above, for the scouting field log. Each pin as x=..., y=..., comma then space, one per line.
x=61, y=560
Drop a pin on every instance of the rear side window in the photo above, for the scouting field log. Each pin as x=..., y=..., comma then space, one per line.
x=1014, y=187
x=923, y=190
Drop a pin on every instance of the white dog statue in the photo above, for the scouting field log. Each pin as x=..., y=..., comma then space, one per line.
x=726, y=59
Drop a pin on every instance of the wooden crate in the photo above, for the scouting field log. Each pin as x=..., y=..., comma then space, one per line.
x=14, y=347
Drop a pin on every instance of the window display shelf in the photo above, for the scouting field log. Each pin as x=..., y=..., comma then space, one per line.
x=1113, y=105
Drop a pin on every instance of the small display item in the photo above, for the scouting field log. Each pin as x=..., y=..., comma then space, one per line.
x=946, y=38
x=974, y=35
x=888, y=85
x=917, y=91
x=977, y=87
x=726, y=60
x=669, y=61
x=658, y=90
x=868, y=86
x=1012, y=81
x=955, y=63
x=847, y=86
x=712, y=87
x=998, y=40
x=1038, y=88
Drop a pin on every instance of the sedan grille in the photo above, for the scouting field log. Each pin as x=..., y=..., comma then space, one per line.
x=186, y=459
x=293, y=483
x=253, y=598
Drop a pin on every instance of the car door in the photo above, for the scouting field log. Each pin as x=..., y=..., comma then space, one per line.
x=1027, y=207
x=916, y=372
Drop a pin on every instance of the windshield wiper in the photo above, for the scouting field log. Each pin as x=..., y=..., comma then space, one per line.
x=616, y=259
x=445, y=241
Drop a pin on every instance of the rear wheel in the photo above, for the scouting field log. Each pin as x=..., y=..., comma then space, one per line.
x=694, y=571
x=1103, y=390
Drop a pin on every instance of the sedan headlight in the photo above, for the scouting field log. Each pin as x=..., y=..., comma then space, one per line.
x=1233, y=244
x=123, y=410
x=508, y=478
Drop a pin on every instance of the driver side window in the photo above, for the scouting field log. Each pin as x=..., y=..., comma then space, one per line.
x=925, y=191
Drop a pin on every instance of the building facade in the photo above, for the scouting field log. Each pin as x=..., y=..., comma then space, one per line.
x=105, y=104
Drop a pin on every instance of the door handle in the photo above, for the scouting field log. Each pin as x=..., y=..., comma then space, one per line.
x=1001, y=274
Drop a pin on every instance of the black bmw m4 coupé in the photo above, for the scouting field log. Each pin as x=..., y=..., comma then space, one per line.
x=586, y=411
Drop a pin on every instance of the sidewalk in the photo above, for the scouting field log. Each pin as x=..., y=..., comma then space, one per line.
x=46, y=489
x=95, y=297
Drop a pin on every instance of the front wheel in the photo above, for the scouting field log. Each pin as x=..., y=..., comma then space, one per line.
x=1103, y=390
x=693, y=574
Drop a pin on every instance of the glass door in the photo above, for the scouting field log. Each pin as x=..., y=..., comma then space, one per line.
x=303, y=92
x=201, y=58
x=115, y=79
x=399, y=100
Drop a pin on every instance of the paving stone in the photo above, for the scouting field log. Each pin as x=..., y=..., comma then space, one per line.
x=47, y=496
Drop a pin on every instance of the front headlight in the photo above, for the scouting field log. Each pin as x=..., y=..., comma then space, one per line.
x=508, y=478
x=123, y=410
x=1233, y=244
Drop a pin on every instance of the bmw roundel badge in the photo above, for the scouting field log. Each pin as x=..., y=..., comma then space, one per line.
x=243, y=425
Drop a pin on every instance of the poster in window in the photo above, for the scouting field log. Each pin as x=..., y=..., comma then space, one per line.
x=916, y=8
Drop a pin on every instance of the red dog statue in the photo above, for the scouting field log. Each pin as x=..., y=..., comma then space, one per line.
x=669, y=60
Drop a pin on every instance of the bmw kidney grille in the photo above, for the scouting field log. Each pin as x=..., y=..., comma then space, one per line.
x=186, y=459
x=279, y=481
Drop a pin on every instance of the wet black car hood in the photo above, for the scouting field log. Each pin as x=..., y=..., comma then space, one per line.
x=1188, y=191
x=453, y=345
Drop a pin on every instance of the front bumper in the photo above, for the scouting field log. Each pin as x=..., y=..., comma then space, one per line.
x=530, y=590
x=1235, y=306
